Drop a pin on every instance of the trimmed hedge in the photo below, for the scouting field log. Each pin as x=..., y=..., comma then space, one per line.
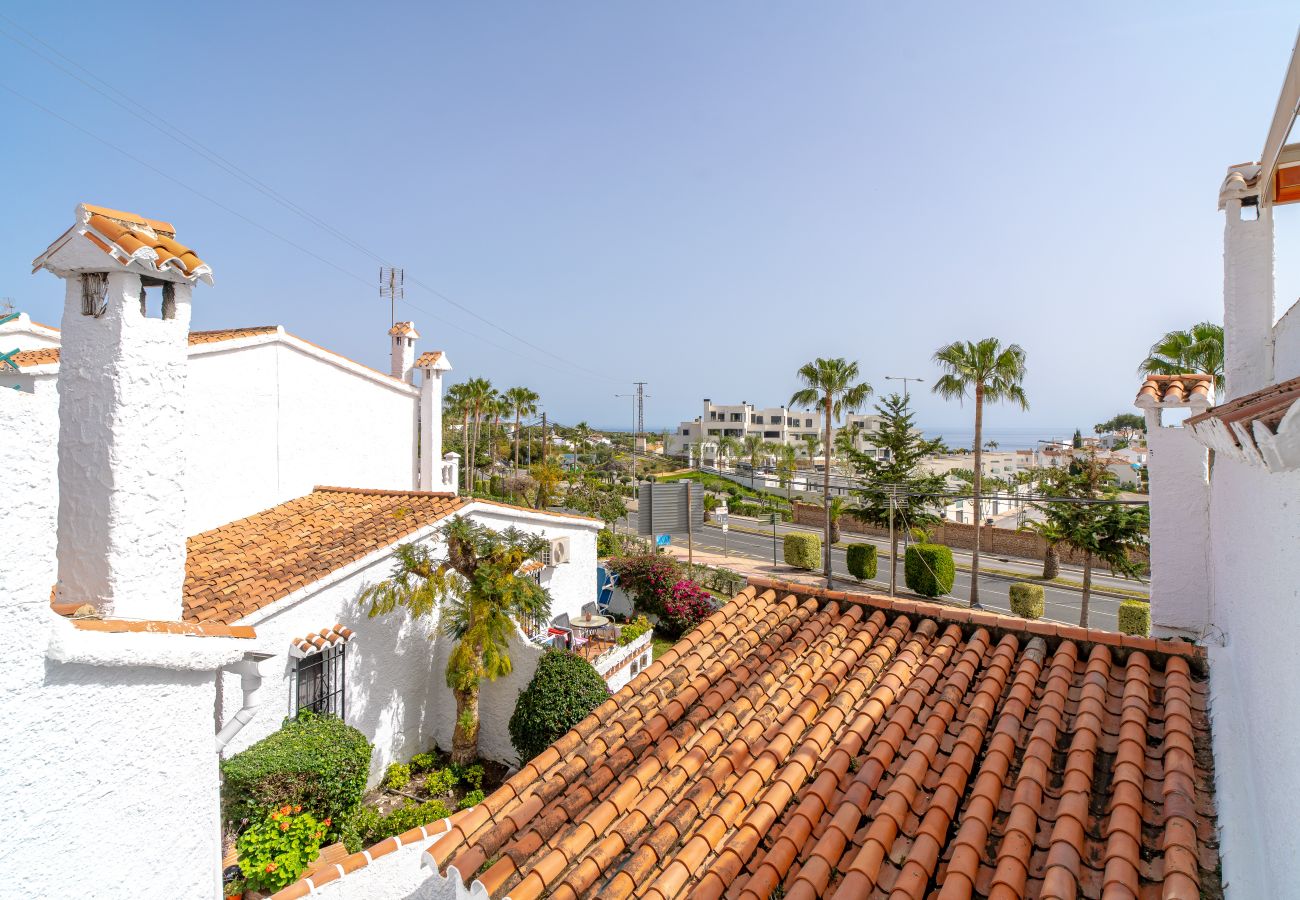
x=928, y=569
x=1135, y=617
x=803, y=551
x=862, y=561
x=564, y=690
x=1027, y=599
x=316, y=762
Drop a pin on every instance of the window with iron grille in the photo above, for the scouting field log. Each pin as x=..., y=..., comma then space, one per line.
x=319, y=682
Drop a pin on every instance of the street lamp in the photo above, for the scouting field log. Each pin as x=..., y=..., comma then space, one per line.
x=905, y=380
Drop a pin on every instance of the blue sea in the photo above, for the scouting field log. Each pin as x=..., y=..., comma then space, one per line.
x=1020, y=438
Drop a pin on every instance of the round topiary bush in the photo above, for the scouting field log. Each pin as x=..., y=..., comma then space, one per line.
x=802, y=550
x=928, y=569
x=1026, y=599
x=564, y=690
x=862, y=561
x=1135, y=617
x=316, y=762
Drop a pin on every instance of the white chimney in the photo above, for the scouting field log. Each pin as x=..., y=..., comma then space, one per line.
x=122, y=369
x=432, y=365
x=1248, y=284
x=404, y=337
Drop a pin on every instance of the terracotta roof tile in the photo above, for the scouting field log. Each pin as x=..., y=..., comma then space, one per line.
x=404, y=328
x=1176, y=390
x=131, y=238
x=829, y=745
x=245, y=565
x=429, y=359
x=47, y=355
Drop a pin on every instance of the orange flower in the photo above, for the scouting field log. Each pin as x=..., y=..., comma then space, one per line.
x=326, y=823
x=270, y=867
x=296, y=810
x=284, y=826
x=284, y=810
x=275, y=816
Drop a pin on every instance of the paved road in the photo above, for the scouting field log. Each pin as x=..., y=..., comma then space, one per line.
x=1059, y=604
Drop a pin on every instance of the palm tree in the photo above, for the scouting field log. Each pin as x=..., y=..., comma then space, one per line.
x=729, y=447
x=993, y=374
x=753, y=447
x=811, y=444
x=1199, y=349
x=523, y=402
x=478, y=597
x=833, y=385
x=1052, y=535
x=480, y=398
x=458, y=404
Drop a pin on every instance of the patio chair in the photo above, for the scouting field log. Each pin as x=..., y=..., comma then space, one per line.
x=590, y=609
x=606, y=581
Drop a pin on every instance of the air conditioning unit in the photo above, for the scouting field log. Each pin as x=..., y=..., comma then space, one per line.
x=560, y=552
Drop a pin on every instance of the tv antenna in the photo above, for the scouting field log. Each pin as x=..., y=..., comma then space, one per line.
x=391, y=286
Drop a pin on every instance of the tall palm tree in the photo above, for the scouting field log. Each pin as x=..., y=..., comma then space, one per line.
x=754, y=446
x=457, y=403
x=833, y=385
x=523, y=402
x=1198, y=349
x=478, y=595
x=994, y=374
x=730, y=447
x=481, y=398
x=811, y=444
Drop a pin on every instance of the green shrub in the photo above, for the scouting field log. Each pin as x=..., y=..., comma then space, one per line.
x=928, y=569
x=396, y=777
x=423, y=762
x=471, y=775
x=316, y=762
x=275, y=851
x=1026, y=599
x=1135, y=617
x=440, y=782
x=370, y=827
x=633, y=630
x=473, y=798
x=564, y=690
x=803, y=551
x=606, y=543
x=862, y=561
x=496, y=486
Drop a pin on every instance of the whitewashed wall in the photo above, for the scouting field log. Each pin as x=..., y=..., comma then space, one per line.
x=24, y=334
x=1253, y=676
x=91, y=749
x=270, y=419
x=1180, y=531
x=1286, y=345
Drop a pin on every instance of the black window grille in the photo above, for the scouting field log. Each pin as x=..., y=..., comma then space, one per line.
x=320, y=682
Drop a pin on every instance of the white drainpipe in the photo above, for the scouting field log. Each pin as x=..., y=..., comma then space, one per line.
x=250, y=678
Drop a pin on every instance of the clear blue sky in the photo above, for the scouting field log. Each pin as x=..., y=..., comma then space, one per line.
x=702, y=196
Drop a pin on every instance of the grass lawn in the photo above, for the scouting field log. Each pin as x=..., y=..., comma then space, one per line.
x=660, y=645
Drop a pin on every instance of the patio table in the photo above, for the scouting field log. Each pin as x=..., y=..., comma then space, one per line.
x=587, y=622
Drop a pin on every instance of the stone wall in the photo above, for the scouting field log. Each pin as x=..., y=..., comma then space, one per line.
x=993, y=541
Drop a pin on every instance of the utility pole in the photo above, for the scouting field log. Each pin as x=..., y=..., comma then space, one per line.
x=905, y=380
x=392, y=286
x=638, y=439
x=690, y=530
x=544, y=433
x=893, y=554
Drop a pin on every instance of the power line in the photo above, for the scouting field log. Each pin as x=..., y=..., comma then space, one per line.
x=195, y=146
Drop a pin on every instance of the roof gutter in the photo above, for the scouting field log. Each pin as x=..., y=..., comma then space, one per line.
x=250, y=679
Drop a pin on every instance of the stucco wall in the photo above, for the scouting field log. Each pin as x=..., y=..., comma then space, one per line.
x=1256, y=572
x=269, y=420
x=92, y=748
x=1286, y=345
x=1180, y=532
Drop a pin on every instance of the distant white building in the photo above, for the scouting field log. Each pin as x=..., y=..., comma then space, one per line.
x=778, y=424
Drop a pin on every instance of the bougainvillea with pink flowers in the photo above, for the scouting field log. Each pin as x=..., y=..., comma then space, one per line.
x=688, y=605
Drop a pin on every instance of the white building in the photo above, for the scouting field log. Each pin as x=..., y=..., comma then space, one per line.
x=165, y=641
x=778, y=424
x=1225, y=525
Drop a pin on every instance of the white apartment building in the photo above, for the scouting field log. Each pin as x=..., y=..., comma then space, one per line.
x=779, y=424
